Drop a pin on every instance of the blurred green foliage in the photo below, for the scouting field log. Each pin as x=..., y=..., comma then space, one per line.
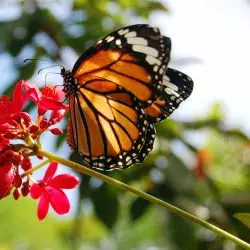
x=109, y=218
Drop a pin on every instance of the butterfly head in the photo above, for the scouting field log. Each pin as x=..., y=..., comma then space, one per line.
x=69, y=82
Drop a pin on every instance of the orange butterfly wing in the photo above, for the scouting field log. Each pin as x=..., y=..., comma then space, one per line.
x=116, y=90
x=134, y=58
x=107, y=128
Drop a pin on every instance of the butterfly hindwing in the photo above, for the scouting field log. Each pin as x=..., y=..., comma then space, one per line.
x=108, y=128
x=177, y=87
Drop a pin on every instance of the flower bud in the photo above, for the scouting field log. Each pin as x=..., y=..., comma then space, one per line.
x=16, y=194
x=9, y=155
x=17, y=159
x=26, y=164
x=25, y=189
x=33, y=128
x=44, y=124
x=17, y=181
x=40, y=157
x=57, y=115
x=56, y=131
x=41, y=111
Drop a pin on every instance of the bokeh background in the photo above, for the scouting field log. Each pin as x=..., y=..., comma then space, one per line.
x=201, y=159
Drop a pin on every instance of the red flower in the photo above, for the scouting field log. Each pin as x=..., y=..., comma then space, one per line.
x=49, y=190
x=17, y=127
x=9, y=108
x=48, y=99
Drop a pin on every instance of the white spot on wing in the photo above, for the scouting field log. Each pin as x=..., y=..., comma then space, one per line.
x=171, y=92
x=129, y=162
x=146, y=50
x=155, y=68
x=152, y=60
x=111, y=38
x=118, y=42
x=166, y=78
x=131, y=34
x=170, y=85
x=137, y=40
x=122, y=32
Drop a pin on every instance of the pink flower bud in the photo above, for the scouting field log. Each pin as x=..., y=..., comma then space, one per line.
x=57, y=115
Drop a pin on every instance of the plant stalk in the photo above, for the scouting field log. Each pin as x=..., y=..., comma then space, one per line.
x=84, y=170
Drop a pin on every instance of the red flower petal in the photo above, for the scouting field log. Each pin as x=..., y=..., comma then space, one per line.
x=64, y=181
x=3, y=142
x=7, y=175
x=17, y=94
x=60, y=93
x=57, y=115
x=51, y=170
x=34, y=93
x=53, y=92
x=50, y=104
x=58, y=200
x=43, y=206
x=6, y=107
x=36, y=191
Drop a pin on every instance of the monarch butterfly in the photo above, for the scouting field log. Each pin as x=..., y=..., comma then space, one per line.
x=117, y=90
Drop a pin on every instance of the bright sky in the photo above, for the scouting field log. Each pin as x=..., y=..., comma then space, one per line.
x=218, y=33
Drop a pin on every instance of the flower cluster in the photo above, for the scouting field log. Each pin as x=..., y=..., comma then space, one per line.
x=15, y=162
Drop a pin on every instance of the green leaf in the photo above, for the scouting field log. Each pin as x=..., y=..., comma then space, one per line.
x=244, y=218
x=138, y=208
x=106, y=205
x=182, y=233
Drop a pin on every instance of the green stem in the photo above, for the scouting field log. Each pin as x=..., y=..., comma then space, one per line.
x=79, y=168
x=30, y=171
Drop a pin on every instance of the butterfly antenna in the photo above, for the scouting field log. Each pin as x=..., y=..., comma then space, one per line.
x=49, y=67
x=43, y=60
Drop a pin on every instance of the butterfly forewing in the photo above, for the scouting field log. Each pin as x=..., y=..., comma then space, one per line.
x=135, y=55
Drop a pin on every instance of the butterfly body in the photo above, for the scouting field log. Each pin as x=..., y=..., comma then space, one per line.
x=117, y=90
